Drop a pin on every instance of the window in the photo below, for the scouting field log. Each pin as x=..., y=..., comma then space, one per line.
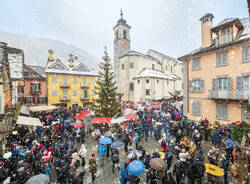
x=93, y=81
x=30, y=100
x=93, y=92
x=196, y=85
x=131, y=87
x=246, y=82
x=246, y=54
x=54, y=79
x=147, y=92
x=65, y=81
x=147, y=81
x=84, y=81
x=221, y=59
x=75, y=92
x=153, y=66
x=54, y=92
x=138, y=81
x=122, y=66
x=41, y=100
x=85, y=94
x=222, y=111
x=65, y=93
x=124, y=34
x=26, y=74
x=225, y=35
x=223, y=84
x=20, y=99
x=131, y=65
x=20, y=89
x=75, y=80
x=196, y=64
x=35, y=87
x=196, y=108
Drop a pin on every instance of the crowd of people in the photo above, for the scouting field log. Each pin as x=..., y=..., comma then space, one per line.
x=58, y=149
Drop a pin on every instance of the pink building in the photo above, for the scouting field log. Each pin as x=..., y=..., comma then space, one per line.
x=35, y=91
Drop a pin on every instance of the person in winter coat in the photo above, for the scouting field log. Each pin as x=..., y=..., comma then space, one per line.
x=3, y=173
x=224, y=166
x=126, y=142
x=197, y=137
x=82, y=152
x=164, y=145
x=75, y=159
x=136, y=140
x=93, y=166
x=217, y=139
x=115, y=158
x=179, y=172
x=167, y=178
x=102, y=149
x=147, y=160
x=195, y=172
x=124, y=173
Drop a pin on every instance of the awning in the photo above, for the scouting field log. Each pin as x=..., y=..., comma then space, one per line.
x=128, y=110
x=80, y=116
x=118, y=120
x=156, y=106
x=131, y=116
x=102, y=120
x=23, y=120
x=42, y=108
x=25, y=110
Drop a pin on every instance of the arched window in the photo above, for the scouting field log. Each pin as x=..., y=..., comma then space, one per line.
x=124, y=34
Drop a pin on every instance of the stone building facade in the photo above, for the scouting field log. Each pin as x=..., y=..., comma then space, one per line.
x=138, y=76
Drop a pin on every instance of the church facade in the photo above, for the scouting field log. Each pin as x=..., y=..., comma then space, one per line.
x=143, y=77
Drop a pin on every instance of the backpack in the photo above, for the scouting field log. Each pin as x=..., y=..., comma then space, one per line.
x=77, y=164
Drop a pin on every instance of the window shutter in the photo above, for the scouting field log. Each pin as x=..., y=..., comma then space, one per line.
x=218, y=59
x=238, y=82
x=226, y=111
x=198, y=108
x=214, y=84
x=224, y=58
x=230, y=83
x=193, y=108
x=218, y=111
x=202, y=86
x=190, y=86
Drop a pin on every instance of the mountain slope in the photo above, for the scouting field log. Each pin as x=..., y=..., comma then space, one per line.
x=36, y=49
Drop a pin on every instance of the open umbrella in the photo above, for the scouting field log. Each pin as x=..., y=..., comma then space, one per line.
x=229, y=143
x=136, y=168
x=116, y=144
x=48, y=116
x=134, y=154
x=105, y=140
x=67, y=121
x=158, y=164
x=7, y=155
x=38, y=179
x=77, y=125
x=214, y=170
x=130, y=116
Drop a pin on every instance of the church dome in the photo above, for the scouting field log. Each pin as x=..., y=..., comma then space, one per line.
x=121, y=21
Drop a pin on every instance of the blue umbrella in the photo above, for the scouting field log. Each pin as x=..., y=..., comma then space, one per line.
x=67, y=121
x=136, y=168
x=105, y=140
x=229, y=143
x=116, y=145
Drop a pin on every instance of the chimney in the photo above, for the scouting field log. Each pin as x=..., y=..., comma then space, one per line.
x=51, y=57
x=206, y=26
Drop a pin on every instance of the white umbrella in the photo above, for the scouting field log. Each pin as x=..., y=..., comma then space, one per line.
x=118, y=120
x=7, y=155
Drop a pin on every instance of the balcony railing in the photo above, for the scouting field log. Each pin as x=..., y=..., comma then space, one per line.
x=35, y=91
x=227, y=95
x=65, y=99
x=84, y=98
x=84, y=85
x=65, y=85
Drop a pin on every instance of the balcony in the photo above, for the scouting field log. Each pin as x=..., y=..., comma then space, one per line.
x=65, y=99
x=35, y=91
x=65, y=85
x=83, y=98
x=240, y=95
x=84, y=85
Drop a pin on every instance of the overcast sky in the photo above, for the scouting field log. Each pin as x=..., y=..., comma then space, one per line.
x=169, y=26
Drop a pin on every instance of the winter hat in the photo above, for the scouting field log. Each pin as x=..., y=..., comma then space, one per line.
x=14, y=145
x=93, y=154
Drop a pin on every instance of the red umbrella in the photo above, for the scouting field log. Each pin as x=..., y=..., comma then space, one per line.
x=80, y=116
x=156, y=106
x=77, y=125
x=131, y=116
x=103, y=120
x=85, y=112
x=132, y=104
x=48, y=116
x=139, y=102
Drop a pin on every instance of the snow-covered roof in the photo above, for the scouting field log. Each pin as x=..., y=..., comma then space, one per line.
x=149, y=73
x=135, y=53
x=62, y=67
x=226, y=20
x=165, y=56
x=16, y=62
x=38, y=69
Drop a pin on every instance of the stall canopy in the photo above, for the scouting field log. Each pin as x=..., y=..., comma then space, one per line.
x=86, y=111
x=102, y=120
x=80, y=116
x=23, y=120
x=155, y=106
x=131, y=116
x=118, y=120
x=128, y=110
x=25, y=110
x=42, y=108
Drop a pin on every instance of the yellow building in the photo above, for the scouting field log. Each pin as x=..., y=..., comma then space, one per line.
x=69, y=82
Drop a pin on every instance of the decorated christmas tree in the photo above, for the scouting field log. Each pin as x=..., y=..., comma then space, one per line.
x=106, y=103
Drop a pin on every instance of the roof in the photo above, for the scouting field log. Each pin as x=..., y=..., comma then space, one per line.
x=38, y=69
x=62, y=67
x=242, y=36
x=135, y=53
x=165, y=56
x=122, y=21
x=149, y=73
